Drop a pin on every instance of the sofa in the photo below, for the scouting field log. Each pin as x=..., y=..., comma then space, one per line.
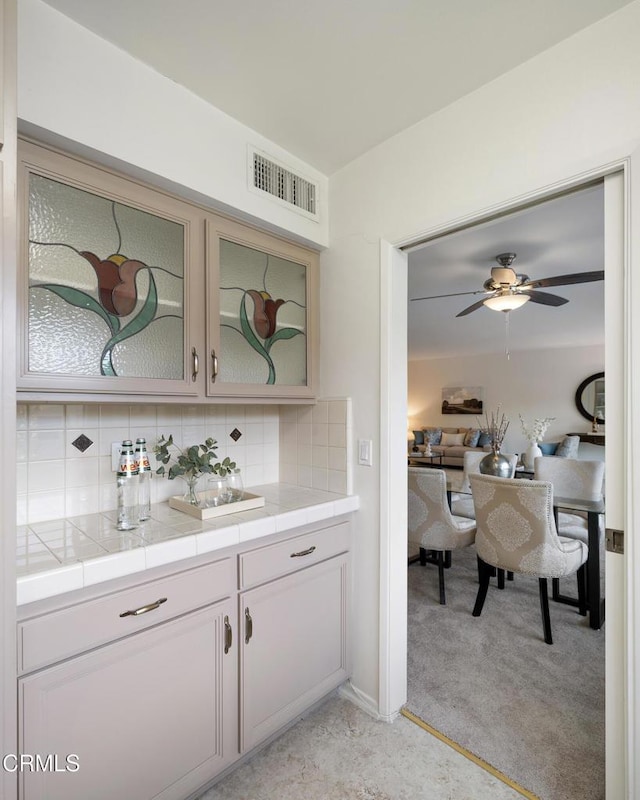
x=451, y=443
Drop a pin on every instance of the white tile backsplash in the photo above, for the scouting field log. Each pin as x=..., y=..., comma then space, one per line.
x=57, y=480
x=306, y=445
x=315, y=445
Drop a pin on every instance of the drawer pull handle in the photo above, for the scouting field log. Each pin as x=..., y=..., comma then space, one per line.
x=135, y=612
x=228, y=635
x=303, y=552
x=248, y=626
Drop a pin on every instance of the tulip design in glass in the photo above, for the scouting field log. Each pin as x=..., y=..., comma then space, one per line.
x=106, y=284
x=263, y=317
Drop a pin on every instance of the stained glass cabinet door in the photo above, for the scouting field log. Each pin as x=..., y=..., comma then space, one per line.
x=261, y=314
x=107, y=282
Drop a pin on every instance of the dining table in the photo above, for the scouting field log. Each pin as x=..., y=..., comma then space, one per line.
x=594, y=510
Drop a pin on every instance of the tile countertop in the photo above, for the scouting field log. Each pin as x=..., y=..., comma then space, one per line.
x=67, y=554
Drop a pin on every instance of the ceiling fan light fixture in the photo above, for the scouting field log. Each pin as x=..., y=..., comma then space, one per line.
x=505, y=302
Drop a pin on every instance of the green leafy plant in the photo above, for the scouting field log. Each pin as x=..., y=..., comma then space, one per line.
x=191, y=462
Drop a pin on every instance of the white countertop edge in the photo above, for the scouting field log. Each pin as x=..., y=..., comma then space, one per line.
x=40, y=585
x=246, y=527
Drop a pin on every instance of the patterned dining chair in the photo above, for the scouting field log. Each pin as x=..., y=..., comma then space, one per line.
x=462, y=502
x=571, y=477
x=516, y=531
x=432, y=526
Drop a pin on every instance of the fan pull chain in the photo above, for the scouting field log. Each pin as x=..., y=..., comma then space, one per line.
x=506, y=335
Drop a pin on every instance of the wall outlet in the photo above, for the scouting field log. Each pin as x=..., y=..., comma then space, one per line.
x=115, y=455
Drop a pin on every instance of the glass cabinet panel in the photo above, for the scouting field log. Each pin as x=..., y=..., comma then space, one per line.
x=106, y=279
x=106, y=292
x=262, y=315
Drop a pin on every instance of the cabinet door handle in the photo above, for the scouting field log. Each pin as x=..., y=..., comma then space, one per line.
x=303, y=552
x=214, y=366
x=228, y=635
x=135, y=612
x=196, y=363
x=248, y=626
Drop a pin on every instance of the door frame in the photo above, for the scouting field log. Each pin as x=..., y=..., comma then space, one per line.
x=623, y=705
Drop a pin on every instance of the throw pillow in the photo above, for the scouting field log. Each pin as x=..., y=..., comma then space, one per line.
x=471, y=438
x=418, y=437
x=548, y=448
x=455, y=439
x=432, y=435
x=483, y=440
x=568, y=447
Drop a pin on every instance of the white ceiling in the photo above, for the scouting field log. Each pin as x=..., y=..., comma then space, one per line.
x=329, y=80
x=558, y=237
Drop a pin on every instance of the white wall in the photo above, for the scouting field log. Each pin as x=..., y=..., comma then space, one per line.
x=570, y=110
x=533, y=383
x=77, y=86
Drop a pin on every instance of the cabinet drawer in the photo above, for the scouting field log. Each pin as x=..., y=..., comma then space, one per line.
x=266, y=563
x=60, y=634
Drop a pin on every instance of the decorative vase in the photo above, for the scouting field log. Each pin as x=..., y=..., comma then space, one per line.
x=191, y=496
x=494, y=463
x=530, y=454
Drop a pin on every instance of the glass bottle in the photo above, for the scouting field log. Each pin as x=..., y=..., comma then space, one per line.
x=127, y=488
x=144, y=480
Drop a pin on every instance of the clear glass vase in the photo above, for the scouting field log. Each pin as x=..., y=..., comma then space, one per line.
x=234, y=482
x=191, y=494
x=217, y=491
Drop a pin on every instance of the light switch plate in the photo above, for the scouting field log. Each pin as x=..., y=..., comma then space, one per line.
x=365, y=456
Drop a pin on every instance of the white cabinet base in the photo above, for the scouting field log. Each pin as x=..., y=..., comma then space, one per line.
x=150, y=716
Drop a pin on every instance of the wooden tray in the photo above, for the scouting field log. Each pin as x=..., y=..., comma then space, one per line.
x=202, y=512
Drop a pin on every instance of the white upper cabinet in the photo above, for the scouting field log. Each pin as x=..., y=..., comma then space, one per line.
x=110, y=282
x=117, y=299
x=261, y=313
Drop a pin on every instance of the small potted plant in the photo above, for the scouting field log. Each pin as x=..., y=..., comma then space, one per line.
x=534, y=434
x=190, y=464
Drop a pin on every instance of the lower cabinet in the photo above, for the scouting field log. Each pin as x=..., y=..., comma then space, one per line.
x=294, y=648
x=150, y=716
x=117, y=703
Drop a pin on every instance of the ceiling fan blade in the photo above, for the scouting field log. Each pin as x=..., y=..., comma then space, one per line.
x=546, y=299
x=565, y=280
x=438, y=296
x=471, y=308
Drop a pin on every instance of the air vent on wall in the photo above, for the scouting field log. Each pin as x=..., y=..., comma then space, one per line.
x=280, y=182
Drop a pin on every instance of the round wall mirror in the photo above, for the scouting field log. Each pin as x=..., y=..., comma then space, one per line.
x=590, y=398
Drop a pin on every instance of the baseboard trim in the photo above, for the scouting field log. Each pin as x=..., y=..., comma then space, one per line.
x=364, y=702
x=468, y=754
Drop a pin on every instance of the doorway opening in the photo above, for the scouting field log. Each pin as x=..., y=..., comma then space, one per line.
x=452, y=255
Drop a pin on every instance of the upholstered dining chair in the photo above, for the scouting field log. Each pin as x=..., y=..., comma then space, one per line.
x=462, y=503
x=431, y=524
x=571, y=477
x=516, y=531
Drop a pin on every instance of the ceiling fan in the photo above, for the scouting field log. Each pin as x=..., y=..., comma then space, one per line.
x=506, y=290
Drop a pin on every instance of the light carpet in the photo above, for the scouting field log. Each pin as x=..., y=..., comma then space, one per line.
x=490, y=683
